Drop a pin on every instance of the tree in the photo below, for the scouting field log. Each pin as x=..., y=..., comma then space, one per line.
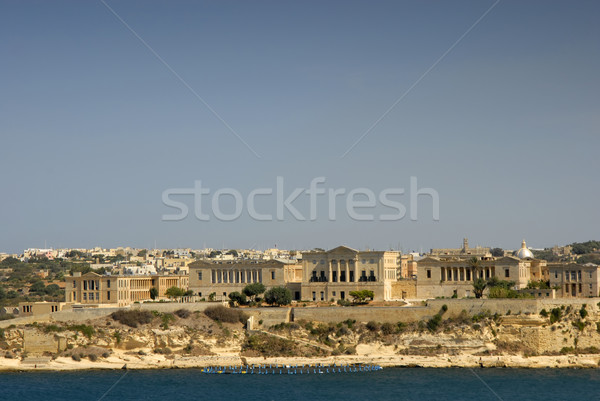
x=153, y=293
x=497, y=252
x=142, y=253
x=237, y=298
x=278, y=296
x=175, y=292
x=233, y=252
x=475, y=264
x=38, y=287
x=362, y=295
x=52, y=289
x=253, y=290
x=479, y=286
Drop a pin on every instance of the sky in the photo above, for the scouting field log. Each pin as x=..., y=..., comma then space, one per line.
x=109, y=108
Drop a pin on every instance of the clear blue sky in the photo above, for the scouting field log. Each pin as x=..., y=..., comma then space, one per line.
x=94, y=127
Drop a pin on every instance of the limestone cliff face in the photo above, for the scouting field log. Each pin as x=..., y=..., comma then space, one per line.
x=572, y=331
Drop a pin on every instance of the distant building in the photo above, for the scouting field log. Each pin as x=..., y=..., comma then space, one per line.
x=335, y=273
x=224, y=277
x=464, y=251
x=575, y=280
x=453, y=275
x=93, y=289
x=42, y=308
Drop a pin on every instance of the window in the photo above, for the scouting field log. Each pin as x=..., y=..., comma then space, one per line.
x=199, y=294
x=579, y=287
x=579, y=274
x=590, y=275
x=75, y=283
x=322, y=296
x=428, y=273
x=506, y=272
x=85, y=296
x=224, y=293
x=555, y=273
x=372, y=261
x=314, y=296
x=573, y=275
x=84, y=285
x=107, y=283
x=108, y=295
x=200, y=276
x=273, y=275
x=333, y=293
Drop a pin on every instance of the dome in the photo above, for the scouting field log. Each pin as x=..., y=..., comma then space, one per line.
x=524, y=252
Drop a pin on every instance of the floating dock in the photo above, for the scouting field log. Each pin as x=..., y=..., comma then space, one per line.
x=269, y=369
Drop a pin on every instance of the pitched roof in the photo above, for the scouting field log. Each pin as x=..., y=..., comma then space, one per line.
x=342, y=248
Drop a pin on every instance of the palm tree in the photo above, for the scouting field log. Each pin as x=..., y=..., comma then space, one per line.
x=479, y=286
x=475, y=264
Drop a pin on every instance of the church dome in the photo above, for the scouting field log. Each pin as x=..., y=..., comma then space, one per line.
x=524, y=252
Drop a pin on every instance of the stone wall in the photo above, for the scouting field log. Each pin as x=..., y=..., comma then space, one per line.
x=404, y=289
x=37, y=343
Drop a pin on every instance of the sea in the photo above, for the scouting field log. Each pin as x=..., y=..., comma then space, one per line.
x=388, y=384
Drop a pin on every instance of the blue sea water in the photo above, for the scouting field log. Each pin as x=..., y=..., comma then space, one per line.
x=388, y=384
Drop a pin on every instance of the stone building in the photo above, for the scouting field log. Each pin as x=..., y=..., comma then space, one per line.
x=453, y=275
x=93, y=289
x=575, y=280
x=42, y=308
x=226, y=276
x=333, y=274
x=464, y=251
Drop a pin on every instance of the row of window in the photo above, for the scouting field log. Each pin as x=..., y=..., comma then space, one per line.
x=90, y=296
x=573, y=275
x=364, y=261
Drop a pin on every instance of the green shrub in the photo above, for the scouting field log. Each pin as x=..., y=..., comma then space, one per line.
x=76, y=357
x=166, y=318
x=583, y=312
x=579, y=324
x=388, y=328
x=544, y=313
x=86, y=330
x=132, y=318
x=555, y=315
x=183, y=313
x=349, y=323
x=434, y=322
x=444, y=308
x=226, y=315
x=567, y=350
x=373, y=326
x=343, y=302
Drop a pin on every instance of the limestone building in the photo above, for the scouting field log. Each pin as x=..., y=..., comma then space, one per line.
x=575, y=280
x=448, y=275
x=92, y=289
x=335, y=273
x=226, y=276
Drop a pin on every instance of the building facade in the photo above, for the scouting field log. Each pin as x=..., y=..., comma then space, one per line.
x=573, y=280
x=226, y=276
x=335, y=273
x=454, y=276
x=122, y=290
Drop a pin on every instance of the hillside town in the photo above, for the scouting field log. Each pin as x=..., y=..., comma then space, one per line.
x=42, y=281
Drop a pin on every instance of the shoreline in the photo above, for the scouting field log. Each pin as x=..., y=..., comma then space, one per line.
x=119, y=362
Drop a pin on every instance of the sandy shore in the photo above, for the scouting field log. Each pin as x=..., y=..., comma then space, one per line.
x=119, y=360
